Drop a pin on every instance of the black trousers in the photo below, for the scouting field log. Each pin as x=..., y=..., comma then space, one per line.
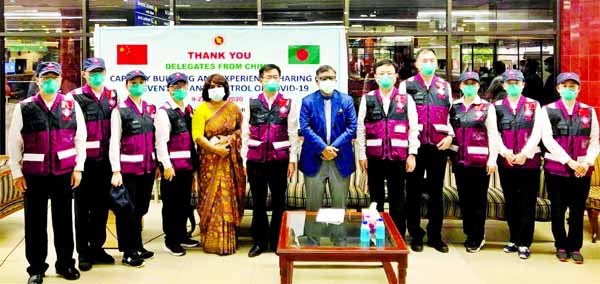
x=520, y=188
x=271, y=175
x=39, y=190
x=394, y=172
x=92, y=201
x=567, y=192
x=129, y=224
x=472, y=184
x=176, y=196
x=431, y=161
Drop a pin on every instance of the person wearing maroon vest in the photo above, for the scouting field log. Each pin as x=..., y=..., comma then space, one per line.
x=92, y=200
x=520, y=127
x=269, y=149
x=133, y=162
x=178, y=158
x=388, y=141
x=432, y=96
x=474, y=160
x=568, y=165
x=46, y=147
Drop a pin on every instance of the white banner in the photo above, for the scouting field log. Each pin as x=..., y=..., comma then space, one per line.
x=235, y=52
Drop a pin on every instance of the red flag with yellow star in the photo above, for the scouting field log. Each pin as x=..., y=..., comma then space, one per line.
x=132, y=54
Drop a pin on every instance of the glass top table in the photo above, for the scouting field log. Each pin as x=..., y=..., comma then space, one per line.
x=302, y=238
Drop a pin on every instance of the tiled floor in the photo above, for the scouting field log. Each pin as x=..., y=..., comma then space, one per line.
x=489, y=266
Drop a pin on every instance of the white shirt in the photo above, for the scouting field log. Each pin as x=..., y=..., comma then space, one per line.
x=15, y=140
x=116, y=130
x=292, y=127
x=558, y=152
x=162, y=124
x=327, y=109
x=413, y=124
x=402, y=90
x=491, y=127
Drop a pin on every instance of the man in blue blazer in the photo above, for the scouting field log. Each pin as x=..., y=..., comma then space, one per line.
x=328, y=123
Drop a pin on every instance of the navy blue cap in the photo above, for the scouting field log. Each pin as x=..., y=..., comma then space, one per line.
x=135, y=73
x=176, y=77
x=469, y=76
x=93, y=63
x=48, y=67
x=513, y=75
x=567, y=76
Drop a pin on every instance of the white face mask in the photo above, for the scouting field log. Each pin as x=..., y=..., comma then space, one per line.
x=216, y=94
x=327, y=86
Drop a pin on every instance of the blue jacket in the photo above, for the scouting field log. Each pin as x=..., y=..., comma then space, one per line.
x=343, y=130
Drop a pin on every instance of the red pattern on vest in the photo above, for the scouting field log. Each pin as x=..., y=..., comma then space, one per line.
x=515, y=129
x=137, y=138
x=471, y=134
x=432, y=105
x=48, y=136
x=269, y=140
x=571, y=132
x=386, y=135
x=97, y=114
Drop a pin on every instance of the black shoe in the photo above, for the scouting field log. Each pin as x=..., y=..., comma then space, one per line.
x=101, y=257
x=68, y=273
x=133, y=259
x=439, y=246
x=416, y=245
x=189, y=243
x=562, y=255
x=175, y=250
x=145, y=254
x=36, y=279
x=256, y=250
x=85, y=263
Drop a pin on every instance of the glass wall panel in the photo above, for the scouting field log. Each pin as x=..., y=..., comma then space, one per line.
x=108, y=13
x=397, y=16
x=50, y=16
x=490, y=56
x=222, y=12
x=503, y=15
x=364, y=52
x=303, y=12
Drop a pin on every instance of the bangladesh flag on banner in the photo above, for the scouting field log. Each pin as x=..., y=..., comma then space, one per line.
x=304, y=54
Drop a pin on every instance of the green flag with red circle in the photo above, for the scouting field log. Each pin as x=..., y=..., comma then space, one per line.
x=304, y=54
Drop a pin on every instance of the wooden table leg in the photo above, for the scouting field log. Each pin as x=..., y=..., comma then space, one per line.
x=389, y=273
x=286, y=270
x=402, y=266
x=401, y=273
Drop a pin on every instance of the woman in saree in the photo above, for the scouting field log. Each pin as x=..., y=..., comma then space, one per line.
x=216, y=128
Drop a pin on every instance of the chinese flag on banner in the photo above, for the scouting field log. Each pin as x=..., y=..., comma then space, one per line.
x=132, y=54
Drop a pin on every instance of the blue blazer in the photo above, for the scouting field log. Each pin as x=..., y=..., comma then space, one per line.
x=313, y=127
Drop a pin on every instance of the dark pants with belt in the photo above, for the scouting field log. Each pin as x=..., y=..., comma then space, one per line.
x=176, y=196
x=92, y=200
x=567, y=192
x=520, y=188
x=432, y=163
x=129, y=224
x=39, y=190
x=472, y=184
x=394, y=172
x=271, y=175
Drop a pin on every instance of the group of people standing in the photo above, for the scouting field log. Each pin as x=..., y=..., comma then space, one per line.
x=86, y=143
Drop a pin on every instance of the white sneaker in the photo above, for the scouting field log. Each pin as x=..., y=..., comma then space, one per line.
x=476, y=249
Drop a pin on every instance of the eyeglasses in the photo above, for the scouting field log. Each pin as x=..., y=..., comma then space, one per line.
x=271, y=77
x=325, y=78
